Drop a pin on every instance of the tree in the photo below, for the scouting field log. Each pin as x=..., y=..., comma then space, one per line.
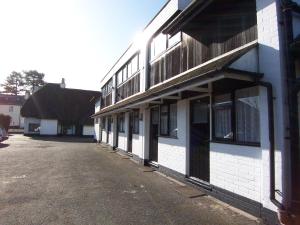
x=5, y=121
x=14, y=83
x=33, y=79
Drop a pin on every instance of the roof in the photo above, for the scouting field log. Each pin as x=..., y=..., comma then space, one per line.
x=69, y=106
x=208, y=70
x=11, y=99
x=185, y=16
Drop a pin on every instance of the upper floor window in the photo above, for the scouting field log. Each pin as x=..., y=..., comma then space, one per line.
x=11, y=108
x=158, y=45
x=163, y=42
x=128, y=70
x=107, y=88
x=174, y=39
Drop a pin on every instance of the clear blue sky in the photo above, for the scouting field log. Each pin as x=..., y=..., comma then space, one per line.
x=76, y=39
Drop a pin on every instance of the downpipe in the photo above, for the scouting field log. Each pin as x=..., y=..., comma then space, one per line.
x=289, y=213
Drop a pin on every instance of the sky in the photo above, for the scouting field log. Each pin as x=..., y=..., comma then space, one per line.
x=78, y=40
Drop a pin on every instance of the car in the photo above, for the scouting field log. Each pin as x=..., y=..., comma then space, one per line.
x=3, y=134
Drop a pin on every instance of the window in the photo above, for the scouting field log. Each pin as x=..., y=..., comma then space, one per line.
x=158, y=45
x=121, y=123
x=109, y=122
x=173, y=120
x=222, y=116
x=119, y=77
x=103, y=121
x=174, y=39
x=107, y=88
x=125, y=73
x=238, y=122
x=168, y=120
x=34, y=127
x=11, y=109
x=135, y=64
x=163, y=42
x=136, y=122
x=247, y=115
x=128, y=70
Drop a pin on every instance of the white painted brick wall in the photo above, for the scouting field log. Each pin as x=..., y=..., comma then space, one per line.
x=236, y=169
x=122, y=142
x=97, y=130
x=104, y=136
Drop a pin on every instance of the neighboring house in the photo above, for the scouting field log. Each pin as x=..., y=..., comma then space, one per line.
x=56, y=110
x=202, y=96
x=11, y=105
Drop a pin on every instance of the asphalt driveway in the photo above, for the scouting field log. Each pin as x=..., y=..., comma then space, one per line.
x=57, y=181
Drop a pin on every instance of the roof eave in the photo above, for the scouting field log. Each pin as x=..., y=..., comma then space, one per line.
x=186, y=16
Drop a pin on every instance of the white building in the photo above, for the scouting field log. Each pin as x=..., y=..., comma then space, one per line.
x=201, y=96
x=55, y=110
x=11, y=105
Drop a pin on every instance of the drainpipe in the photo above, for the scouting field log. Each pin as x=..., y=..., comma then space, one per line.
x=290, y=213
x=272, y=141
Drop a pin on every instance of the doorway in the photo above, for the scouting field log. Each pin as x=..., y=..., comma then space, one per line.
x=199, y=138
x=154, y=126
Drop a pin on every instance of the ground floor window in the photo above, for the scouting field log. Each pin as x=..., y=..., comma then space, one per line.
x=168, y=120
x=103, y=121
x=236, y=116
x=109, y=123
x=34, y=127
x=136, y=121
x=121, y=122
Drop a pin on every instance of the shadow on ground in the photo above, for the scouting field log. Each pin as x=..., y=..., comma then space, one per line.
x=2, y=145
x=64, y=139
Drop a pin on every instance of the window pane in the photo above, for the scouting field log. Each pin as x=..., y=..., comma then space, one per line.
x=125, y=73
x=121, y=122
x=136, y=124
x=164, y=120
x=158, y=45
x=34, y=127
x=175, y=39
x=247, y=115
x=119, y=77
x=200, y=113
x=129, y=69
x=134, y=64
x=222, y=117
x=173, y=120
x=103, y=123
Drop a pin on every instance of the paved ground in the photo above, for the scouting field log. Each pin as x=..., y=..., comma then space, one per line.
x=66, y=181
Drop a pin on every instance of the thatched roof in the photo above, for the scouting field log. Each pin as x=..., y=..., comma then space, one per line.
x=69, y=106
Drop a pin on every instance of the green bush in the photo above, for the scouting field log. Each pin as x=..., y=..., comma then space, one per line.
x=5, y=121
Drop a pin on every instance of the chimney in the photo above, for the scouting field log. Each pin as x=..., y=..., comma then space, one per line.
x=63, y=84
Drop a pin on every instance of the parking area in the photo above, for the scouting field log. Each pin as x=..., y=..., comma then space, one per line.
x=73, y=181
